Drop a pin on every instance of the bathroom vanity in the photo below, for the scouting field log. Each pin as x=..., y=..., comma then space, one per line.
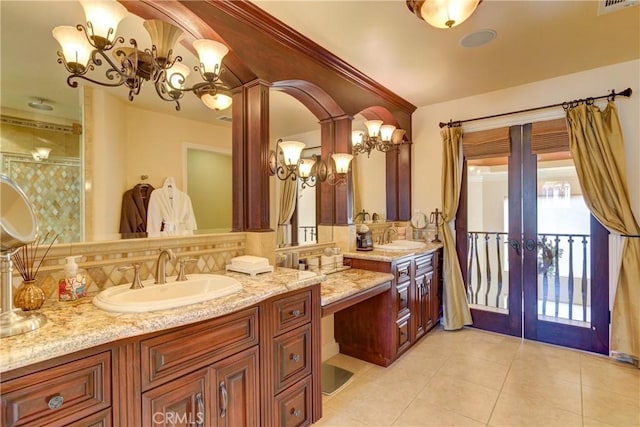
x=381, y=328
x=252, y=358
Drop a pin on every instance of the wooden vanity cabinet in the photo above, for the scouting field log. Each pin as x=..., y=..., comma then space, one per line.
x=383, y=327
x=256, y=366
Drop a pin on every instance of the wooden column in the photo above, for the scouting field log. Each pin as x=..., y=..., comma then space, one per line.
x=336, y=201
x=250, y=157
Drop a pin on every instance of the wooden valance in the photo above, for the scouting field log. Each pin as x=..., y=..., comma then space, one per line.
x=487, y=143
x=550, y=136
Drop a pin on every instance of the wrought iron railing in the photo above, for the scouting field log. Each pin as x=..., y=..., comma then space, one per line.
x=563, y=273
x=308, y=233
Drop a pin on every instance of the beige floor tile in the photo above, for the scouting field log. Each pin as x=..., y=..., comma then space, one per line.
x=588, y=422
x=337, y=418
x=422, y=414
x=530, y=383
x=517, y=410
x=476, y=370
x=462, y=397
x=350, y=363
x=379, y=406
x=610, y=375
x=547, y=361
x=611, y=408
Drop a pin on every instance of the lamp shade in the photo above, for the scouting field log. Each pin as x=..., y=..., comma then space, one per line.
x=219, y=101
x=357, y=137
x=446, y=13
x=164, y=36
x=304, y=170
x=177, y=75
x=210, y=53
x=75, y=47
x=291, y=151
x=342, y=161
x=104, y=15
x=373, y=127
x=398, y=136
x=386, y=131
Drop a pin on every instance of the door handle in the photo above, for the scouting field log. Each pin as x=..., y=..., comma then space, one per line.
x=530, y=245
x=515, y=245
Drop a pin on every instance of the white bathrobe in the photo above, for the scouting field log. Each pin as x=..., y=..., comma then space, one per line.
x=170, y=212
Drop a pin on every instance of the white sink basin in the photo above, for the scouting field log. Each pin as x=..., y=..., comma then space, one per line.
x=199, y=288
x=401, y=245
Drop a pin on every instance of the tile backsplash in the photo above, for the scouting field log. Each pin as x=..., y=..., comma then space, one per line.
x=103, y=261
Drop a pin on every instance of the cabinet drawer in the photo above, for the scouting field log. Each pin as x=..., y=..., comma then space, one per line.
x=60, y=395
x=293, y=406
x=403, y=271
x=403, y=334
x=291, y=312
x=168, y=356
x=101, y=419
x=402, y=301
x=292, y=357
x=424, y=263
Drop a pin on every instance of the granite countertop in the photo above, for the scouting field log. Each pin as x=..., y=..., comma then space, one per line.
x=350, y=282
x=389, y=256
x=78, y=325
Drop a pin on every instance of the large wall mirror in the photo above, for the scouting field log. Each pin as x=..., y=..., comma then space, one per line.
x=101, y=144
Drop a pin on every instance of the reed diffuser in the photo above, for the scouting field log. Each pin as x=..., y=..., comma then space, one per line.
x=30, y=296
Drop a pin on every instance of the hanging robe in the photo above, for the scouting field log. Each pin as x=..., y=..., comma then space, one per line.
x=170, y=212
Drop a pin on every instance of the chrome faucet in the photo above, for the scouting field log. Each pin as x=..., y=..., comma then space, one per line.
x=161, y=275
x=386, y=235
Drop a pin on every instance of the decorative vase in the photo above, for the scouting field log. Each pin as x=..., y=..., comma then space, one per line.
x=30, y=296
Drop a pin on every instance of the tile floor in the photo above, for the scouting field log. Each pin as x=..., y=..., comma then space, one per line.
x=476, y=378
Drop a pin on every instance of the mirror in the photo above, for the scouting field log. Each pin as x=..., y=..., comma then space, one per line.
x=289, y=119
x=93, y=132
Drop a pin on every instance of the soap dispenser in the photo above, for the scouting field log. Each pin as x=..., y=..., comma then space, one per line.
x=74, y=283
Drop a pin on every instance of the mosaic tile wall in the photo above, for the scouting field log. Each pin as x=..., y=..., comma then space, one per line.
x=103, y=262
x=54, y=186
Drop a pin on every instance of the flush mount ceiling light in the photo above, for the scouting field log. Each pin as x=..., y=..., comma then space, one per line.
x=40, y=104
x=443, y=13
x=379, y=136
x=289, y=164
x=86, y=47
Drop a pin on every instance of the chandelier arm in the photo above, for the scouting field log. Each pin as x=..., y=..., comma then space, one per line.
x=310, y=182
x=172, y=96
x=285, y=173
x=74, y=83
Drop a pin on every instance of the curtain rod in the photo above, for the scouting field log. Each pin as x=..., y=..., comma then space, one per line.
x=566, y=105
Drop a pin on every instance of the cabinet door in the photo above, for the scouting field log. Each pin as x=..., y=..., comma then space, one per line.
x=421, y=307
x=237, y=389
x=181, y=402
x=430, y=301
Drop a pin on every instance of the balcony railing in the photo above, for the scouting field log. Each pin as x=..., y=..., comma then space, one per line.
x=563, y=276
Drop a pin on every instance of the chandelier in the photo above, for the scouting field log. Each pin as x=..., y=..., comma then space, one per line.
x=443, y=13
x=86, y=47
x=379, y=136
x=289, y=164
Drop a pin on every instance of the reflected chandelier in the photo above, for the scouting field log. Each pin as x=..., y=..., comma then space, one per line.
x=86, y=47
x=443, y=13
x=379, y=137
x=289, y=164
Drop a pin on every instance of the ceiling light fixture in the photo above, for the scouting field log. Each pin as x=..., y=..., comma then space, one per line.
x=86, y=47
x=443, y=13
x=379, y=136
x=289, y=164
x=40, y=153
x=40, y=105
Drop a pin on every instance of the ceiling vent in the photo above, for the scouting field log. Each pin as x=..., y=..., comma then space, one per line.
x=608, y=6
x=225, y=118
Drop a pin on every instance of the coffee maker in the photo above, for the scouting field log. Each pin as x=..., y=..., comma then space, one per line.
x=364, y=240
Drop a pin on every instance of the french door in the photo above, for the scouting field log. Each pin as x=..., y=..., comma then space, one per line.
x=535, y=261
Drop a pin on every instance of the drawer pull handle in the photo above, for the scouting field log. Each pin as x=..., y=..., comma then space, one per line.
x=296, y=313
x=295, y=357
x=200, y=415
x=225, y=398
x=403, y=333
x=295, y=412
x=404, y=273
x=55, y=402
